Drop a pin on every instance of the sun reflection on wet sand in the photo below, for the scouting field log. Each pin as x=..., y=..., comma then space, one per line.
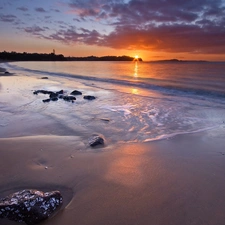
x=127, y=169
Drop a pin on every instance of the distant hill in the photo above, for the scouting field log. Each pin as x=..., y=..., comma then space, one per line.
x=104, y=58
x=177, y=61
x=15, y=56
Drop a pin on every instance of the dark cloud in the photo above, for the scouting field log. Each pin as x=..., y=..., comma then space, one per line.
x=140, y=12
x=62, y=27
x=7, y=18
x=158, y=25
x=90, y=8
x=174, y=38
x=61, y=22
x=23, y=9
x=73, y=36
x=18, y=22
x=76, y=19
x=34, y=30
x=79, y=19
x=56, y=10
x=40, y=9
x=167, y=25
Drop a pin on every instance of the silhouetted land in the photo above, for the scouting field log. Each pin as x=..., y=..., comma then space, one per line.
x=15, y=56
x=177, y=61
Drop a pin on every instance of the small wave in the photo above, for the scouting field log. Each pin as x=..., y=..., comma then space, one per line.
x=168, y=136
x=125, y=109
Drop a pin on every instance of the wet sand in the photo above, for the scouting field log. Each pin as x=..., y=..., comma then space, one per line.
x=173, y=182
x=178, y=181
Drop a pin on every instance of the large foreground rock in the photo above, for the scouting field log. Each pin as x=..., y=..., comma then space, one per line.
x=30, y=206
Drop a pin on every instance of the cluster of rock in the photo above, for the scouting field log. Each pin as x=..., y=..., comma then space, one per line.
x=54, y=96
x=30, y=206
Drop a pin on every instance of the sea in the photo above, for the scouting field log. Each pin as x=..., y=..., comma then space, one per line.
x=135, y=101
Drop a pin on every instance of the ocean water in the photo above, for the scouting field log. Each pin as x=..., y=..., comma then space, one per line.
x=136, y=101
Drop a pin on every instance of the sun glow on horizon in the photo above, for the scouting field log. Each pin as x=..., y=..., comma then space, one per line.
x=136, y=57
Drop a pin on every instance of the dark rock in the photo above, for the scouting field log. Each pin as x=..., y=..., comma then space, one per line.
x=60, y=92
x=95, y=140
x=6, y=72
x=69, y=98
x=89, y=97
x=46, y=100
x=105, y=119
x=50, y=93
x=46, y=92
x=30, y=206
x=75, y=92
x=53, y=95
x=42, y=92
x=35, y=92
x=44, y=78
x=54, y=99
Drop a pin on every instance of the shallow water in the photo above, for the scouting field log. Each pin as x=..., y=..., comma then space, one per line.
x=188, y=78
x=136, y=102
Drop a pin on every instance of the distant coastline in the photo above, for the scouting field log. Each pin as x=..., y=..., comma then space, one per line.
x=178, y=61
x=17, y=56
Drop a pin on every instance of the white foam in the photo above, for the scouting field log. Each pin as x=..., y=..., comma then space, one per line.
x=125, y=109
x=167, y=136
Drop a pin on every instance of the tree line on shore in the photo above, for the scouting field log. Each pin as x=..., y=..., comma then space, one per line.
x=17, y=56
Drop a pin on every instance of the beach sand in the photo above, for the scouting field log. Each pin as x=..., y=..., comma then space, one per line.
x=177, y=181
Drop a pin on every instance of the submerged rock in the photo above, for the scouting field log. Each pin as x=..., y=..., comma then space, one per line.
x=89, y=97
x=30, y=206
x=95, y=140
x=44, y=78
x=75, y=92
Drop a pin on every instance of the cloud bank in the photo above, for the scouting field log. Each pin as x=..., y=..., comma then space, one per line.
x=156, y=25
x=165, y=25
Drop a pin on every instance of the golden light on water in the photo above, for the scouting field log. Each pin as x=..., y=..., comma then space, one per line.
x=136, y=69
x=134, y=91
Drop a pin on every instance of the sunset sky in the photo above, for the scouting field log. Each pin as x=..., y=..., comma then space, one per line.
x=152, y=29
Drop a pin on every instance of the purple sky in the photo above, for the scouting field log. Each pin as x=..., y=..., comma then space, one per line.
x=154, y=28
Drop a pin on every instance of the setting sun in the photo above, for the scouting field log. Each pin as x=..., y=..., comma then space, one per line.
x=136, y=57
